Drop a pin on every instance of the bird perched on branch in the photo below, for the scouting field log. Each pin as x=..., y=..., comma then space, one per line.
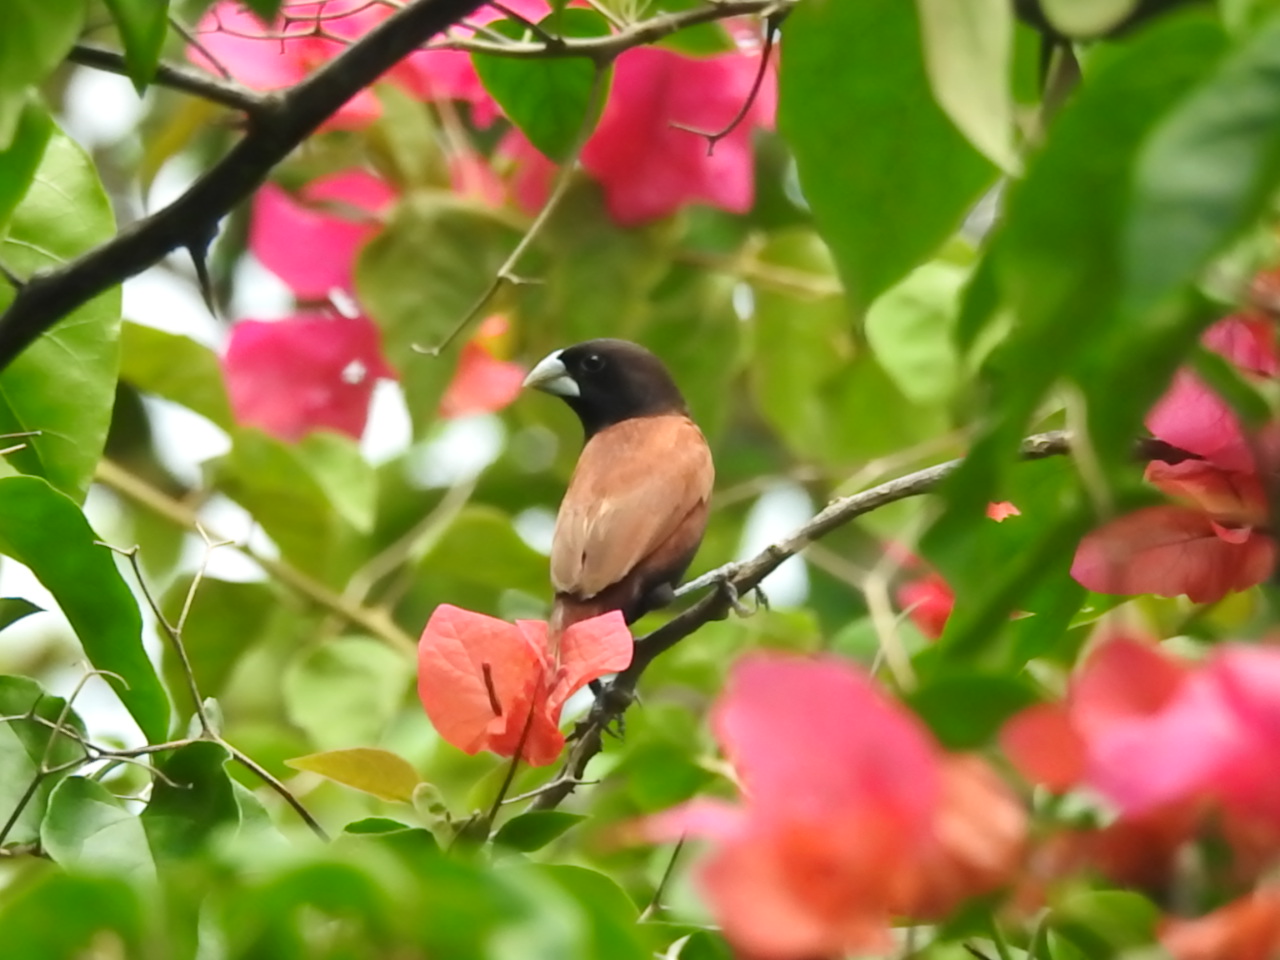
x=636, y=507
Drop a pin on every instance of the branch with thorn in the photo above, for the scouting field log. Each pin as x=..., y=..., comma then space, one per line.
x=208, y=729
x=737, y=579
x=275, y=128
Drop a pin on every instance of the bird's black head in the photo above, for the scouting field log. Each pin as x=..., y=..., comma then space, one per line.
x=608, y=381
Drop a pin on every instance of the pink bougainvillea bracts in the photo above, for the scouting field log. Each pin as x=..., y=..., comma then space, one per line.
x=851, y=815
x=648, y=166
x=268, y=58
x=1148, y=732
x=490, y=685
x=1212, y=541
x=290, y=377
x=310, y=241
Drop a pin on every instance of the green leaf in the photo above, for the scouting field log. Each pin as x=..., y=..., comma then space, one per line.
x=176, y=368
x=224, y=621
x=1104, y=923
x=193, y=800
x=481, y=546
x=278, y=483
x=1205, y=175
x=342, y=472
x=45, y=530
x=35, y=36
x=534, y=830
x=612, y=916
x=968, y=52
x=25, y=746
x=966, y=710
x=910, y=329
x=547, y=99
x=413, y=842
x=853, y=86
x=267, y=10
x=60, y=917
x=19, y=162
x=88, y=829
x=13, y=609
x=143, y=25
x=801, y=343
x=1057, y=266
x=345, y=692
x=63, y=384
x=420, y=276
x=699, y=40
x=379, y=772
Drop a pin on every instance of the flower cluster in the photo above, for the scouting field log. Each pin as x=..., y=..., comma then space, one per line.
x=642, y=153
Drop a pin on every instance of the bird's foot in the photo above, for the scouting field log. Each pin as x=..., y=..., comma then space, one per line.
x=610, y=707
x=734, y=599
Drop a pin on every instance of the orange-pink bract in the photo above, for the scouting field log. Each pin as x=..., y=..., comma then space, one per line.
x=483, y=681
x=1214, y=541
x=852, y=814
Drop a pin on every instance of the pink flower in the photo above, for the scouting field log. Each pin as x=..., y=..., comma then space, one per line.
x=290, y=377
x=1217, y=542
x=490, y=685
x=851, y=814
x=1148, y=732
x=280, y=56
x=311, y=242
x=650, y=169
x=482, y=382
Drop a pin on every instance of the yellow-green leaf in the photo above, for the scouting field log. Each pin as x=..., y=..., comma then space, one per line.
x=379, y=772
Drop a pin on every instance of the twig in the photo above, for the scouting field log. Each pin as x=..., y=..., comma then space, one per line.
x=208, y=731
x=373, y=621
x=606, y=49
x=770, y=33
x=743, y=577
x=170, y=631
x=506, y=273
x=285, y=793
x=273, y=133
x=226, y=93
x=189, y=35
x=655, y=903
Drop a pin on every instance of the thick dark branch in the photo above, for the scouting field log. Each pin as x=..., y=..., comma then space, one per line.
x=226, y=93
x=743, y=577
x=191, y=221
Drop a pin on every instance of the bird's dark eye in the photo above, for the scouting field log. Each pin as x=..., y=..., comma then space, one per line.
x=592, y=363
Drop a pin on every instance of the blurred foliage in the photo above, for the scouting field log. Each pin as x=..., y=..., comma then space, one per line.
x=859, y=321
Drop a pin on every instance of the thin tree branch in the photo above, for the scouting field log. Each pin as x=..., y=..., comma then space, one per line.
x=226, y=93
x=506, y=274
x=274, y=131
x=606, y=49
x=739, y=578
x=376, y=622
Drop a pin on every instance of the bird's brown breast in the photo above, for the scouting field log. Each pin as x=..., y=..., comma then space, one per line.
x=633, y=515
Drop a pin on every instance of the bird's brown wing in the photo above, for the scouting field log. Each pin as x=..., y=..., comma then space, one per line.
x=634, y=484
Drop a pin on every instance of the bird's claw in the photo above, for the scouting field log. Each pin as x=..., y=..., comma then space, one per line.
x=734, y=599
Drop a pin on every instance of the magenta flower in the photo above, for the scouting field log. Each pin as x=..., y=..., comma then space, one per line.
x=290, y=377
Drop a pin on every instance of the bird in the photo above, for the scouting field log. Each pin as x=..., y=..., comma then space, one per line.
x=635, y=510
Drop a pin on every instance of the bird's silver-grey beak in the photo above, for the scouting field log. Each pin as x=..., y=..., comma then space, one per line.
x=551, y=376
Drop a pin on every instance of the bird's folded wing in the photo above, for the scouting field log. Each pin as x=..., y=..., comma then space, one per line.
x=635, y=484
